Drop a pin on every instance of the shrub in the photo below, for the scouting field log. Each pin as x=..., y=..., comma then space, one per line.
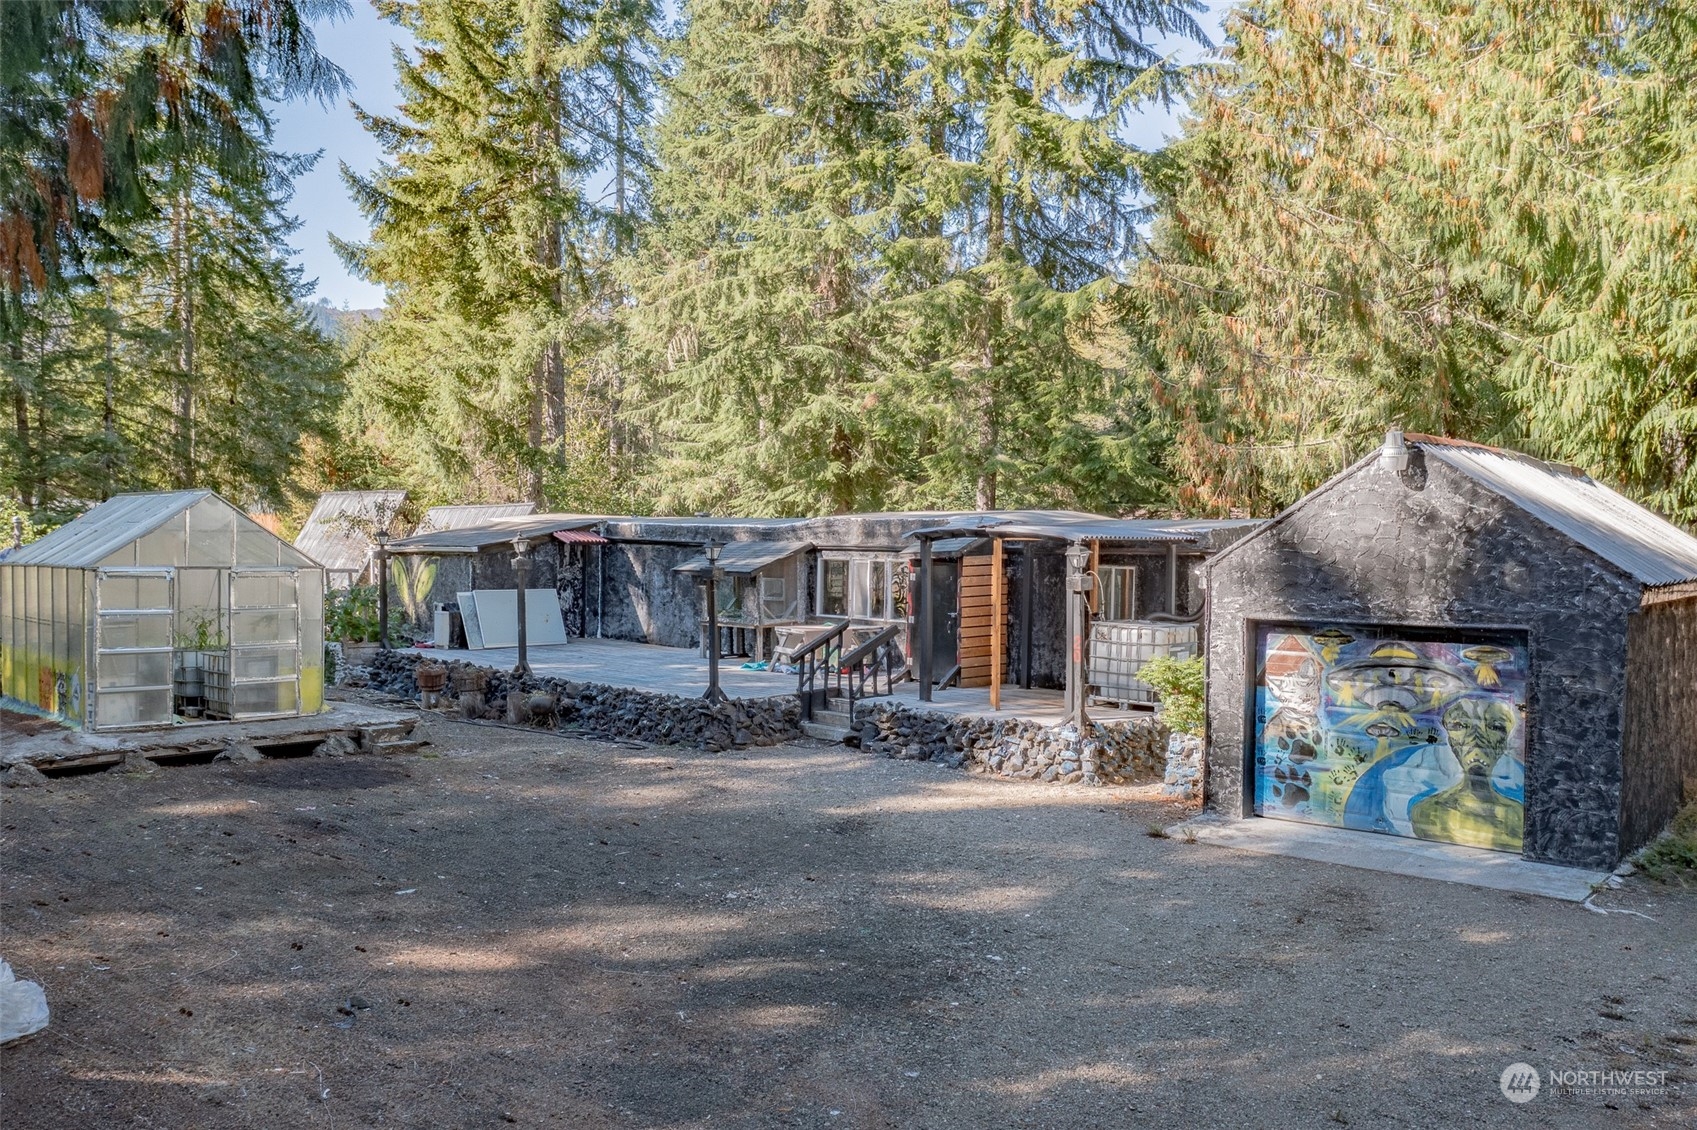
x=351, y=616
x=1179, y=683
x=1673, y=858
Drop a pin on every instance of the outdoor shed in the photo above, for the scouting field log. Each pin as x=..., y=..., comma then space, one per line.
x=340, y=532
x=152, y=607
x=1458, y=643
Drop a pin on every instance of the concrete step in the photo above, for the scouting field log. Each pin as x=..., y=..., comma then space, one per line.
x=824, y=732
x=838, y=718
x=398, y=745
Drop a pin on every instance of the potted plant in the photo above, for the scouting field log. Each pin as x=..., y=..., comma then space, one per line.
x=351, y=617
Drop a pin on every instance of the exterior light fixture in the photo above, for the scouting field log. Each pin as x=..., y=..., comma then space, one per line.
x=521, y=570
x=382, y=538
x=1393, y=456
x=713, y=693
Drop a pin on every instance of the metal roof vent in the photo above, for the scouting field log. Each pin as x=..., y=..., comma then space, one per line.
x=1394, y=455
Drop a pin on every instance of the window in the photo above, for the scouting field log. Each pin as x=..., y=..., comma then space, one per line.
x=833, y=587
x=863, y=588
x=1118, y=584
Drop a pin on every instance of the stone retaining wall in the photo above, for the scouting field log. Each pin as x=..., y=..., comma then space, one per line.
x=595, y=709
x=1109, y=753
x=1184, y=767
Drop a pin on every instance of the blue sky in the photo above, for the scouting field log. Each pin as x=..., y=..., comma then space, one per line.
x=362, y=46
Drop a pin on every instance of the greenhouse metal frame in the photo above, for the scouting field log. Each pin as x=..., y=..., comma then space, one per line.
x=154, y=609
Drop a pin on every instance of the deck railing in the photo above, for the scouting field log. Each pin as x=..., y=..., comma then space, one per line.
x=868, y=671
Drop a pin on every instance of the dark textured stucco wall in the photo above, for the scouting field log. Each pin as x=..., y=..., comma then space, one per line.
x=553, y=566
x=1660, y=770
x=1431, y=547
x=646, y=600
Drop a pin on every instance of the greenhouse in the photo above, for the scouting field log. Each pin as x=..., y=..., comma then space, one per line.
x=152, y=609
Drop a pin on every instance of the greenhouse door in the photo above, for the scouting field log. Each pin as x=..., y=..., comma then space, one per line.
x=134, y=611
x=264, y=676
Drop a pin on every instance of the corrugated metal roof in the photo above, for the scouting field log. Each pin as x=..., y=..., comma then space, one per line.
x=464, y=517
x=1067, y=525
x=491, y=535
x=1636, y=540
x=107, y=528
x=334, y=534
x=953, y=547
x=740, y=558
x=579, y=537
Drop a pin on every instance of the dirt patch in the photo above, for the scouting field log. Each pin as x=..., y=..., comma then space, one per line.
x=14, y=724
x=514, y=929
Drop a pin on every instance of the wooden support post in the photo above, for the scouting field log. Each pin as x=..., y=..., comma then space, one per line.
x=998, y=624
x=1095, y=571
x=922, y=619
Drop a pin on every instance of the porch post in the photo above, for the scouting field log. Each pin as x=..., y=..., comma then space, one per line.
x=998, y=624
x=1172, y=578
x=521, y=567
x=714, y=694
x=383, y=589
x=1078, y=629
x=922, y=620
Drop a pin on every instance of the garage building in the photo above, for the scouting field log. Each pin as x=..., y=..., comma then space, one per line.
x=1458, y=643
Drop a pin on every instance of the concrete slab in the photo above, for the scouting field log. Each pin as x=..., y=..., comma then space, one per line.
x=683, y=671
x=1396, y=855
x=619, y=663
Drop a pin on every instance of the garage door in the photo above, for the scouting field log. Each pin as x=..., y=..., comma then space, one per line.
x=1395, y=732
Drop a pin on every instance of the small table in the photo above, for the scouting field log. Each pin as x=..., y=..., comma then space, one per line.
x=746, y=636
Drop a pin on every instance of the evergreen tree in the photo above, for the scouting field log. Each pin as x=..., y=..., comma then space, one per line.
x=1471, y=219
x=154, y=336
x=485, y=236
x=881, y=235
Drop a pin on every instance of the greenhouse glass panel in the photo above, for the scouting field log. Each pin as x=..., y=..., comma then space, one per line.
x=211, y=534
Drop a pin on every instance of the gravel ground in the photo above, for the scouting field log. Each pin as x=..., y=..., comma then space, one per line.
x=508, y=928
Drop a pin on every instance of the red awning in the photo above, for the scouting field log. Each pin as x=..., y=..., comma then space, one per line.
x=580, y=537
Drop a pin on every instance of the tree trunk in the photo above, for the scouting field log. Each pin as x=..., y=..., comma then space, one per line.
x=989, y=402
x=27, y=484
x=621, y=174
x=182, y=283
x=108, y=409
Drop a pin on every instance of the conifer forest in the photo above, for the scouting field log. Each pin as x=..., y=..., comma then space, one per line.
x=792, y=257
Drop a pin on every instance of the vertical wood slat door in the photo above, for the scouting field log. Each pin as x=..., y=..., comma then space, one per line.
x=977, y=621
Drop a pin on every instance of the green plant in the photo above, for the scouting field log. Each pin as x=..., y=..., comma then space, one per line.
x=1673, y=857
x=1179, y=683
x=351, y=616
x=203, y=633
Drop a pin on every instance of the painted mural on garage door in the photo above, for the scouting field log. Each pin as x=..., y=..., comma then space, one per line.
x=1408, y=737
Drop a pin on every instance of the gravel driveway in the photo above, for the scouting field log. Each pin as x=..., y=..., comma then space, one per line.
x=508, y=928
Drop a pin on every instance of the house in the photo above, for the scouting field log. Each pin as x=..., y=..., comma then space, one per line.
x=1457, y=643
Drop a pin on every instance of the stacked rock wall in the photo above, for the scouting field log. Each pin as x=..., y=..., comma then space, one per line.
x=603, y=711
x=1108, y=753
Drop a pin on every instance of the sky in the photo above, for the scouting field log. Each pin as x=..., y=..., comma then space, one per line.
x=363, y=47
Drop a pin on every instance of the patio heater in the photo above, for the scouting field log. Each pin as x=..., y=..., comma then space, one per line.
x=713, y=693
x=382, y=538
x=521, y=569
x=1079, y=585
